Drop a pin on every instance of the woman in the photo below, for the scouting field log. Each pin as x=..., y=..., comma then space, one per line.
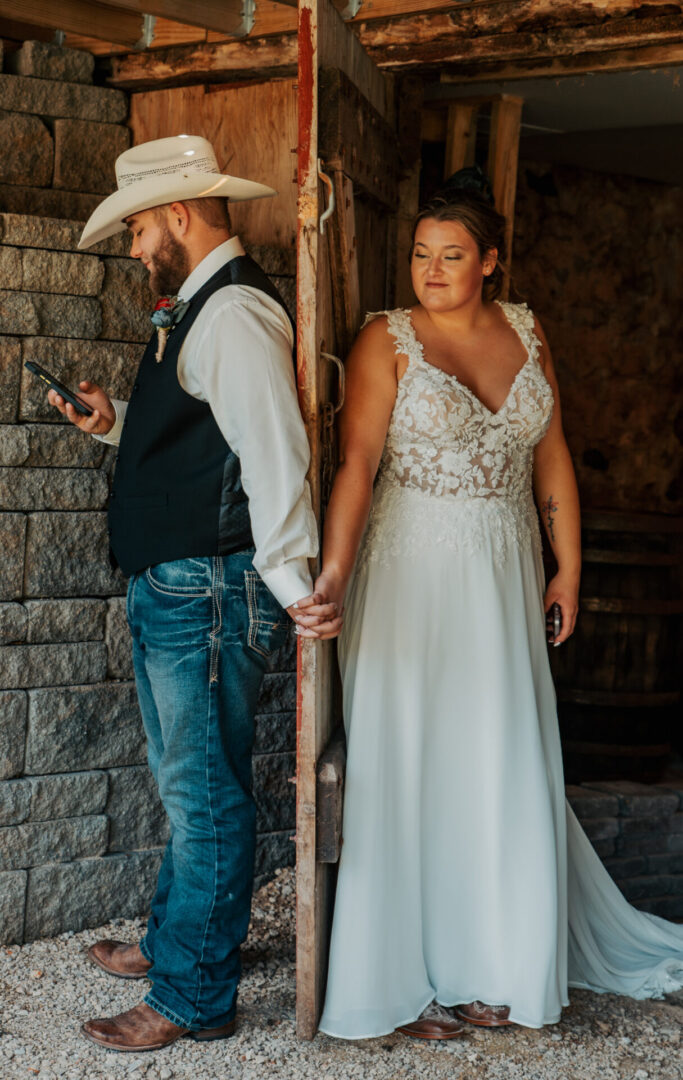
x=464, y=878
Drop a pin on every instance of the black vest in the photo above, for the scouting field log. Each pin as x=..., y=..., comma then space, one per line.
x=177, y=489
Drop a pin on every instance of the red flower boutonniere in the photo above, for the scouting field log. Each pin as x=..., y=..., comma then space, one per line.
x=168, y=312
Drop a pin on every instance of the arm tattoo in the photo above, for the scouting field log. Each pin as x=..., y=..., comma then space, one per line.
x=549, y=507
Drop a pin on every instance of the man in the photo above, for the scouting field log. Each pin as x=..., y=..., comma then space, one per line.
x=210, y=515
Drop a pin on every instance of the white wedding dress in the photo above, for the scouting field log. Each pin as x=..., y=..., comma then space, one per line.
x=464, y=874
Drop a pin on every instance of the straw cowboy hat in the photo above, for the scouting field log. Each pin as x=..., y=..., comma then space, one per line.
x=163, y=171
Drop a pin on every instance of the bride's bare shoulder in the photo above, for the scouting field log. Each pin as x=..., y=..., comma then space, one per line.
x=375, y=335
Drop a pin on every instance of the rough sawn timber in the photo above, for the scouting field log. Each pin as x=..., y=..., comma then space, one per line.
x=522, y=38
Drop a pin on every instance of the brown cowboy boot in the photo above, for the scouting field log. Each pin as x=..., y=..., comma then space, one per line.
x=143, y=1028
x=117, y=958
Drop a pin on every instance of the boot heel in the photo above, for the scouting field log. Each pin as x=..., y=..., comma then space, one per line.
x=209, y=1034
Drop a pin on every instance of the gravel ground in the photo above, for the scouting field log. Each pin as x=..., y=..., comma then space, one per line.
x=49, y=988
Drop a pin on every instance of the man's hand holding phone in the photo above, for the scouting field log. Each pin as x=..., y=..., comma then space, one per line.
x=103, y=414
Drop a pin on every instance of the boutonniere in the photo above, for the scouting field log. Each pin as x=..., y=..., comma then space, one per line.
x=167, y=314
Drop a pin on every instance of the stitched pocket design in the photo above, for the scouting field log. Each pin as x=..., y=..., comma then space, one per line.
x=181, y=577
x=268, y=622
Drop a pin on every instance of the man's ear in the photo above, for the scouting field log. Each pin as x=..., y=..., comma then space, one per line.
x=178, y=218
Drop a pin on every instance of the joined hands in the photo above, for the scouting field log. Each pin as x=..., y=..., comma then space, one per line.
x=320, y=615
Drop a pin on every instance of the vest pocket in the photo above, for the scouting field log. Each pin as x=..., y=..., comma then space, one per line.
x=268, y=622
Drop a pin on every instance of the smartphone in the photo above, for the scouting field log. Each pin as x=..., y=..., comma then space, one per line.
x=54, y=384
x=553, y=623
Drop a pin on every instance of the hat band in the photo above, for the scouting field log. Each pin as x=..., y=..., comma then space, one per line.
x=203, y=164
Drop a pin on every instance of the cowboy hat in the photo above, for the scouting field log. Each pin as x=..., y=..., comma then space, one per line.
x=162, y=171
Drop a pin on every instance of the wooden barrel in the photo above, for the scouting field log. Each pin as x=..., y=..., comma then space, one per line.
x=618, y=678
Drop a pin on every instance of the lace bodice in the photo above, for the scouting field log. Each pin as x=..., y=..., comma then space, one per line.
x=444, y=443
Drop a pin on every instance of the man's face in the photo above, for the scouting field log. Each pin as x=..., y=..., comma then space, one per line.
x=159, y=250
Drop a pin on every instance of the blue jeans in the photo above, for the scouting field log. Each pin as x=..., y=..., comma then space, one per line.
x=203, y=630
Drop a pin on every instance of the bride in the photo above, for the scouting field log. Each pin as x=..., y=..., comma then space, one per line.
x=465, y=880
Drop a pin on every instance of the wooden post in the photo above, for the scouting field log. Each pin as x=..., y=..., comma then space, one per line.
x=409, y=100
x=506, y=118
x=344, y=265
x=461, y=136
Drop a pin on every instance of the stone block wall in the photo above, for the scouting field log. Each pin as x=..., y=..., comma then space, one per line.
x=61, y=134
x=637, y=829
x=81, y=827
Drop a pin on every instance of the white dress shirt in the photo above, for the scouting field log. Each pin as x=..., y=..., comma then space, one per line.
x=237, y=357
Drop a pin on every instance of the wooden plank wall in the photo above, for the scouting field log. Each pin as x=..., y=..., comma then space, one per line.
x=253, y=131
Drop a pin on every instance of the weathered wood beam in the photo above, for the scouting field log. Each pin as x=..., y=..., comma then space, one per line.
x=205, y=63
x=506, y=119
x=78, y=17
x=15, y=30
x=612, y=60
x=409, y=99
x=422, y=41
x=225, y=16
x=271, y=17
x=347, y=120
x=433, y=41
x=339, y=48
x=167, y=34
x=461, y=136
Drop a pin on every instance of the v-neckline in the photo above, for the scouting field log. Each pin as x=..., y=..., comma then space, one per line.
x=456, y=380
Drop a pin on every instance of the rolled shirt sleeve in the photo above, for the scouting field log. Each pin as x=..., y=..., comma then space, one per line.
x=238, y=358
x=113, y=436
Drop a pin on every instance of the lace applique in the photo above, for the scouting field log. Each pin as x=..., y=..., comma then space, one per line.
x=408, y=522
x=445, y=444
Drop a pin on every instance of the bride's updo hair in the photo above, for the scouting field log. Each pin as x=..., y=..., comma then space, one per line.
x=466, y=198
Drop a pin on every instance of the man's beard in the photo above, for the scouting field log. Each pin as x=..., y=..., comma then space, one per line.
x=171, y=266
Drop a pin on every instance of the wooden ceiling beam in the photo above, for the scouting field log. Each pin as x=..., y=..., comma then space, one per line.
x=558, y=67
x=77, y=17
x=434, y=41
x=15, y=30
x=270, y=17
x=527, y=48
x=425, y=41
x=184, y=66
x=225, y=16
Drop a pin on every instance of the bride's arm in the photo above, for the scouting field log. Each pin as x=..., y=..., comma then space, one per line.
x=557, y=497
x=371, y=384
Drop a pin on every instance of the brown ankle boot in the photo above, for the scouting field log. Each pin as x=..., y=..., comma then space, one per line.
x=117, y=958
x=143, y=1028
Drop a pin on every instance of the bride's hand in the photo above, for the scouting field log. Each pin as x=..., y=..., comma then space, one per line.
x=321, y=615
x=564, y=592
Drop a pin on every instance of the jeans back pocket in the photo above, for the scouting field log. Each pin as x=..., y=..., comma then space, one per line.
x=268, y=622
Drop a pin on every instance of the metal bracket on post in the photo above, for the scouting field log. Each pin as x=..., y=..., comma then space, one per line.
x=148, y=25
x=330, y=197
x=247, y=24
x=351, y=10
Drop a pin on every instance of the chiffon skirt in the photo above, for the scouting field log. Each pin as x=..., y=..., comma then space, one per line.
x=464, y=874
